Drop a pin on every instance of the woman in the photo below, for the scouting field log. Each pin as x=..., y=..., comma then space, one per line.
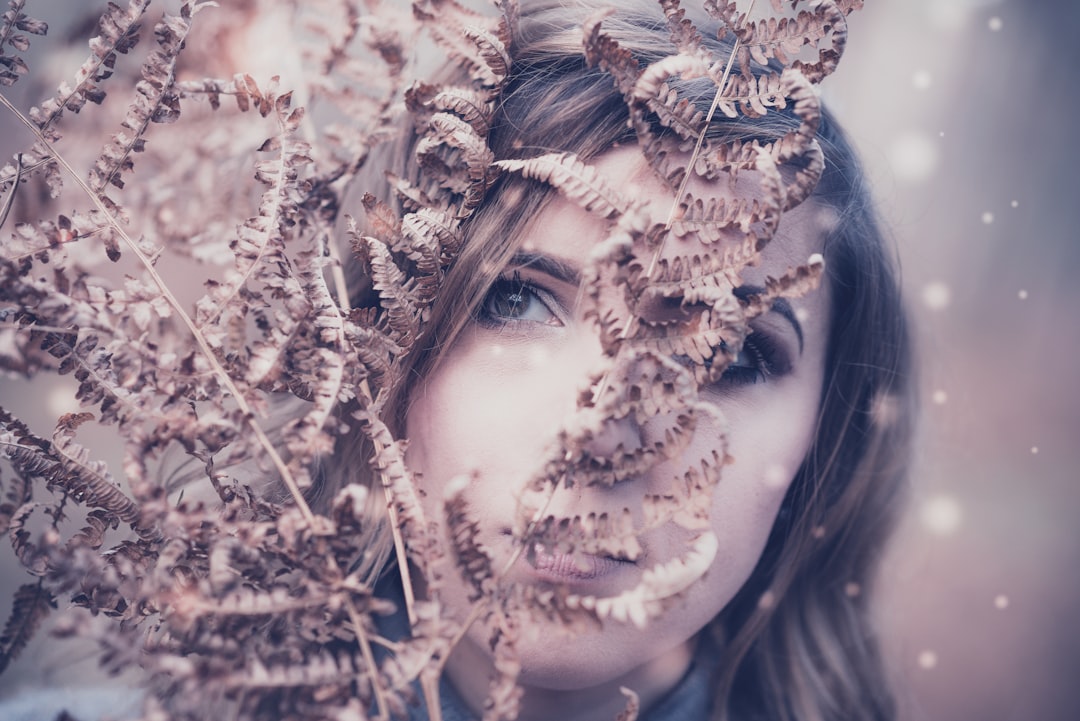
x=523, y=403
x=653, y=379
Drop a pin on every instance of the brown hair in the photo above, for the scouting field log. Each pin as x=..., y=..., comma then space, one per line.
x=798, y=640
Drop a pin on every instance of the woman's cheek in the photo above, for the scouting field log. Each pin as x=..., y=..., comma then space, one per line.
x=769, y=434
x=489, y=408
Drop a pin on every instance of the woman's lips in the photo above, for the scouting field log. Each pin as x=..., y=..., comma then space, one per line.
x=567, y=568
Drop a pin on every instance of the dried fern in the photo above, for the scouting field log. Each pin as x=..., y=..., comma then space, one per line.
x=13, y=23
x=241, y=597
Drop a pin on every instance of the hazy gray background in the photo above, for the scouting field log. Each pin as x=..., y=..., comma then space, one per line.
x=964, y=110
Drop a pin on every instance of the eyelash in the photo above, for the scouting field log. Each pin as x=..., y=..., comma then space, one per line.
x=766, y=358
x=513, y=285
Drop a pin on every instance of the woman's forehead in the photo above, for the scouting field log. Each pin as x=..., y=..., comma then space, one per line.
x=566, y=231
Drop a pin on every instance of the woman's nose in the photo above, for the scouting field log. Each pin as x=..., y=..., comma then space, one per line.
x=610, y=428
x=634, y=415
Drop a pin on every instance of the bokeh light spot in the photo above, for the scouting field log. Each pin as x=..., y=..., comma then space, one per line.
x=946, y=15
x=941, y=515
x=776, y=476
x=913, y=157
x=936, y=295
x=59, y=401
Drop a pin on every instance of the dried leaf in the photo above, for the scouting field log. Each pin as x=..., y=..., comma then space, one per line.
x=31, y=604
x=574, y=179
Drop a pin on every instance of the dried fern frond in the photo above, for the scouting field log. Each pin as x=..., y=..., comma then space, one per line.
x=119, y=32
x=155, y=101
x=13, y=23
x=576, y=180
x=604, y=52
x=31, y=604
x=469, y=38
x=470, y=557
x=86, y=481
x=239, y=566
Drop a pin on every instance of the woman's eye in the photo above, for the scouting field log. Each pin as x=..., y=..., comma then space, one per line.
x=744, y=368
x=511, y=299
x=758, y=360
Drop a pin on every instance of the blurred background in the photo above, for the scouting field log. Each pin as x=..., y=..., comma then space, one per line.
x=964, y=111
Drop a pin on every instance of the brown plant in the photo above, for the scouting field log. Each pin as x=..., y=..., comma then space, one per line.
x=242, y=602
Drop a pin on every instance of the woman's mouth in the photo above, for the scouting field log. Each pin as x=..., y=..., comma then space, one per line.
x=557, y=567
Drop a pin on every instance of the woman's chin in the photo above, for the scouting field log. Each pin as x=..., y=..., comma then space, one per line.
x=576, y=652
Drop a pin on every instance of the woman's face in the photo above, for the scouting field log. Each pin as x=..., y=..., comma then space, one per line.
x=493, y=406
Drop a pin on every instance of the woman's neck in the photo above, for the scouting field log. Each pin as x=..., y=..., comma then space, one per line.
x=469, y=669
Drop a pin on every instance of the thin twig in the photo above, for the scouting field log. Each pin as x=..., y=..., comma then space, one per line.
x=429, y=684
x=10, y=200
x=391, y=509
x=337, y=273
x=720, y=89
x=369, y=658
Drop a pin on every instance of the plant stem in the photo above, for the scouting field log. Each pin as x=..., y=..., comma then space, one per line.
x=10, y=200
x=720, y=88
x=369, y=659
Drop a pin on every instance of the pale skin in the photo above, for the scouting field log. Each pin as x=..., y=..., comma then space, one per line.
x=493, y=406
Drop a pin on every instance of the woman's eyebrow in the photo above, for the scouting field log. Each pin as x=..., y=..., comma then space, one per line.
x=555, y=267
x=779, y=305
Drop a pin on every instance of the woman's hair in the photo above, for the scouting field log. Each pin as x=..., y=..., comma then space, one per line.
x=796, y=640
